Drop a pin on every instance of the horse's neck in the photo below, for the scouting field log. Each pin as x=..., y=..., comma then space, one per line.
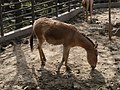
x=84, y=41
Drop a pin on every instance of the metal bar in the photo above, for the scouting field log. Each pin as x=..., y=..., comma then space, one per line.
x=74, y=5
x=48, y=14
x=20, y=16
x=44, y=9
x=17, y=13
x=17, y=24
x=1, y=20
x=69, y=7
x=13, y=3
x=33, y=9
x=56, y=8
x=23, y=8
x=65, y=8
x=38, y=4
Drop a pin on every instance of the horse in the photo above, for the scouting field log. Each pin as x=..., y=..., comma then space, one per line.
x=87, y=6
x=57, y=32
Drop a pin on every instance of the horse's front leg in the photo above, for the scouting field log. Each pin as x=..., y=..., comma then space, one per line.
x=65, y=58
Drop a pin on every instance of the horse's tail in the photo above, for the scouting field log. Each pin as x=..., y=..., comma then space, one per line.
x=31, y=41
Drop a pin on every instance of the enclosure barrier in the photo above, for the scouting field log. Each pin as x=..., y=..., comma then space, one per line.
x=18, y=14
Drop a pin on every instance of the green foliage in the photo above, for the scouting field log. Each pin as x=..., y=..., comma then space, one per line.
x=27, y=4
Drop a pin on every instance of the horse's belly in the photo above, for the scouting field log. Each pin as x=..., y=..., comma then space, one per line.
x=55, y=37
x=54, y=41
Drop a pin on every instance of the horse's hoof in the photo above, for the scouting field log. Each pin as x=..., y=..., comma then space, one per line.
x=58, y=72
x=93, y=67
x=68, y=69
x=43, y=64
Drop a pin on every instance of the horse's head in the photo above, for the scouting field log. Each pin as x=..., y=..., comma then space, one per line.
x=92, y=56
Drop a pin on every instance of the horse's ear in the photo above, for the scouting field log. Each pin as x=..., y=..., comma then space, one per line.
x=96, y=44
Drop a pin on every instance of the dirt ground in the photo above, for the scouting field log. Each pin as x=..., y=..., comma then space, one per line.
x=20, y=69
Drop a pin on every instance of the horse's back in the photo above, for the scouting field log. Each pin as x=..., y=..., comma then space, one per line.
x=54, y=31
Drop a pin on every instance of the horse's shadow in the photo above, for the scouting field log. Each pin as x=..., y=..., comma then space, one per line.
x=68, y=81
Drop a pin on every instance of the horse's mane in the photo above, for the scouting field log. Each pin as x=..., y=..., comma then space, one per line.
x=88, y=39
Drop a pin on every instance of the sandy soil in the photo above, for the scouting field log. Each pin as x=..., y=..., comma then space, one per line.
x=20, y=68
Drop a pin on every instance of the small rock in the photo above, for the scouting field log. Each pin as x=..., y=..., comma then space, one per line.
x=117, y=25
x=30, y=87
x=109, y=87
x=112, y=48
x=117, y=59
x=88, y=84
x=78, y=71
x=25, y=41
x=9, y=46
x=102, y=32
x=94, y=20
x=77, y=85
x=116, y=63
x=118, y=70
x=107, y=26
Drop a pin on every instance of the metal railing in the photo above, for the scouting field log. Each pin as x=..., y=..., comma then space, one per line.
x=17, y=14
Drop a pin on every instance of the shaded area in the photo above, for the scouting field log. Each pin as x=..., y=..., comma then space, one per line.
x=23, y=75
x=68, y=81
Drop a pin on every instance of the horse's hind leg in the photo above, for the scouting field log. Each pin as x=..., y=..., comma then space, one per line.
x=86, y=9
x=43, y=56
x=91, y=10
x=41, y=53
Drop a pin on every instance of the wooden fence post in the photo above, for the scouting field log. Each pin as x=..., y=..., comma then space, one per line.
x=110, y=31
x=1, y=20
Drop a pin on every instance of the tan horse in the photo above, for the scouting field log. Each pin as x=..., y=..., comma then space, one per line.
x=56, y=32
x=87, y=5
